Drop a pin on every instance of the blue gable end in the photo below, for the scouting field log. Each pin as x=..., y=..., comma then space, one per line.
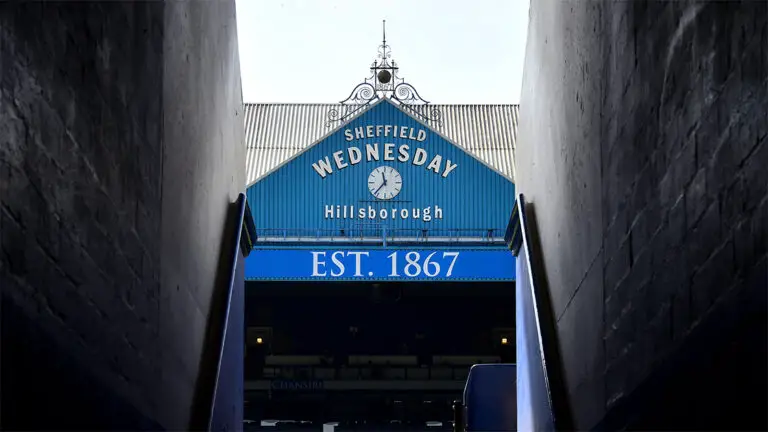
x=329, y=187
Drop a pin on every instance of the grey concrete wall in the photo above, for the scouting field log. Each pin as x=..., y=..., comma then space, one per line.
x=203, y=171
x=642, y=149
x=120, y=149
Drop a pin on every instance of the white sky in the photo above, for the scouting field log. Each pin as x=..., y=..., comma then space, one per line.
x=451, y=51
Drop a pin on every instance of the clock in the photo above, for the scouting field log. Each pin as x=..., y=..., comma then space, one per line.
x=385, y=182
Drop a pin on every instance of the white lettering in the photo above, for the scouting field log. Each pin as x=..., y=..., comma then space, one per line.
x=388, y=150
x=393, y=258
x=339, y=264
x=371, y=131
x=435, y=265
x=403, y=150
x=355, y=156
x=316, y=264
x=358, y=264
x=448, y=168
x=435, y=164
x=323, y=168
x=426, y=214
x=351, y=212
x=340, y=164
x=455, y=256
x=416, y=264
x=419, y=157
x=372, y=152
x=412, y=260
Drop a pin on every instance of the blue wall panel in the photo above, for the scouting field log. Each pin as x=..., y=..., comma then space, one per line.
x=472, y=197
x=490, y=398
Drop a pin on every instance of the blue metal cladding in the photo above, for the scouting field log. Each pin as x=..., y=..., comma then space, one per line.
x=294, y=197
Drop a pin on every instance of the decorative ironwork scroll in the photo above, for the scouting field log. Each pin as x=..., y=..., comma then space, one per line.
x=384, y=82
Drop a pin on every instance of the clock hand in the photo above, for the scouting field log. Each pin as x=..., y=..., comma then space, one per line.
x=377, y=190
x=383, y=178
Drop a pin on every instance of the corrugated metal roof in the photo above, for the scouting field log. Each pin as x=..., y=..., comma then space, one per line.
x=276, y=132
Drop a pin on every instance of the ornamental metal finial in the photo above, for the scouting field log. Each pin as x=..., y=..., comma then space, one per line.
x=384, y=31
x=384, y=82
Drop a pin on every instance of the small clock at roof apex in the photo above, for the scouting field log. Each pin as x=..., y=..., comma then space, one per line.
x=384, y=182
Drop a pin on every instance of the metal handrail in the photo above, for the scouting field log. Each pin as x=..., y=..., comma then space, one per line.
x=238, y=233
x=244, y=237
x=518, y=237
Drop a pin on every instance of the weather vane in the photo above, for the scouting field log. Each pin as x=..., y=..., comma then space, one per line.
x=384, y=82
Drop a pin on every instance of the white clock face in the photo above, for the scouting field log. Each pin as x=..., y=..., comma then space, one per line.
x=385, y=182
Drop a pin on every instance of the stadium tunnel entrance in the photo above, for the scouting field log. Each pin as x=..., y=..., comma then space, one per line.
x=373, y=352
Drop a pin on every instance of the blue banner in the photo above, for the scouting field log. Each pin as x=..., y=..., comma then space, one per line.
x=381, y=264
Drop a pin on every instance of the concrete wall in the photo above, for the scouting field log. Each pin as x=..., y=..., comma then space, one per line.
x=120, y=150
x=642, y=149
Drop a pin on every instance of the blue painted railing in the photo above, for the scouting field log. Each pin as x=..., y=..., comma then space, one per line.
x=535, y=411
x=541, y=392
x=534, y=400
x=224, y=409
